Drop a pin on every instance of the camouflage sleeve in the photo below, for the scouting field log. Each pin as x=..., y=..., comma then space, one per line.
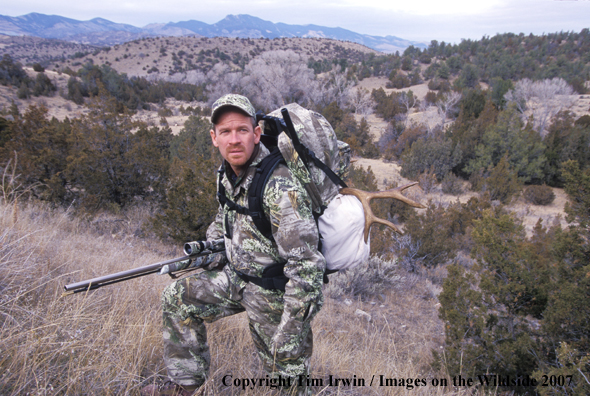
x=296, y=235
x=215, y=229
x=210, y=262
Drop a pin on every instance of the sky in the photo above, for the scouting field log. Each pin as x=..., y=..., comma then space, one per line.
x=416, y=20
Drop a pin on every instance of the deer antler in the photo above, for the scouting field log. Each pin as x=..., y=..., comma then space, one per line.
x=365, y=198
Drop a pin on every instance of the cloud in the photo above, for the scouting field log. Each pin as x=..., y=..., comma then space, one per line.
x=429, y=7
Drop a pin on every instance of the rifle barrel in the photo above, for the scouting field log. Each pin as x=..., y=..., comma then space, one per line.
x=123, y=275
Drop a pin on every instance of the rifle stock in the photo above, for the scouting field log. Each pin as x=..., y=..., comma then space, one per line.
x=193, y=250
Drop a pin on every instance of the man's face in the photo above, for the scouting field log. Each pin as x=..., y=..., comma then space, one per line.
x=236, y=138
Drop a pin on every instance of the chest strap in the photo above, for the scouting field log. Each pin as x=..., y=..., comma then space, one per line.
x=272, y=277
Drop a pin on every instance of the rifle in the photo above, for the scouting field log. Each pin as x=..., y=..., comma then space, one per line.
x=197, y=255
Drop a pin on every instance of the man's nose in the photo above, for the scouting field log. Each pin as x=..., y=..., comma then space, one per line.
x=234, y=138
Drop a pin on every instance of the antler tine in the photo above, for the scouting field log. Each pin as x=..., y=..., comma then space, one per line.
x=365, y=198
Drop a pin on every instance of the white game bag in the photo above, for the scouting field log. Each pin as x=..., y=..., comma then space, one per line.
x=342, y=229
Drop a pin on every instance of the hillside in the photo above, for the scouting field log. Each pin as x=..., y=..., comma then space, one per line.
x=181, y=54
x=168, y=55
x=29, y=50
x=102, y=32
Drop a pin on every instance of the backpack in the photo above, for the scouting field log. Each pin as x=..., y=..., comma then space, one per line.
x=306, y=142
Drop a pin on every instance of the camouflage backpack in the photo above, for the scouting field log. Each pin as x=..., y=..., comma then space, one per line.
x=310, y=149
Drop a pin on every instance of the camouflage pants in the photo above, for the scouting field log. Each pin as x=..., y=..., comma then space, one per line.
x=211, y=295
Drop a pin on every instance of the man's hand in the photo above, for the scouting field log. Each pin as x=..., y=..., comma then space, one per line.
x=284, y=345
x=209, y=262
x=179, y=266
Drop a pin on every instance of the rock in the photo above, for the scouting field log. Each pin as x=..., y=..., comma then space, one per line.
x=362, y=313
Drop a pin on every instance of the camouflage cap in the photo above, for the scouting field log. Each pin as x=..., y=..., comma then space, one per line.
x=232, y=100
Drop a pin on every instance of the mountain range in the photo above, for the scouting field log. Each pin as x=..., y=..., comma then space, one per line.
x=99, y=31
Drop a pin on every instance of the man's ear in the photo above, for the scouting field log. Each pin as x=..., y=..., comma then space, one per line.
x=213, y=137
x=257, y=133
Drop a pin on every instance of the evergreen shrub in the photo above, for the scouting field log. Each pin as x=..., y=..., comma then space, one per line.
x=539, y=195
x=452, y=184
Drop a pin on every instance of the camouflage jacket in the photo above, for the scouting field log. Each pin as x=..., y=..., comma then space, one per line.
x=287, y=205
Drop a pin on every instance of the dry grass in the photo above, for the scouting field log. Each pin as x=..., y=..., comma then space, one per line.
x=100, y=343
x=108, y=342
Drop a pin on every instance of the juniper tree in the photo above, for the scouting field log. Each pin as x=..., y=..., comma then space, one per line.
x=40, y=146
x=523, y=146
x=490, y=310
x=501, y=182
x=565, y=321
x=189, y=205
x=565, y=140
x=522, y=309
x=112, y=160
x=436, y=152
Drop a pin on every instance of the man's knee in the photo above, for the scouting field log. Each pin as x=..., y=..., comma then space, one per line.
x=204, y=296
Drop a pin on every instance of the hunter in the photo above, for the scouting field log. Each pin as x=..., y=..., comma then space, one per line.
x=279, y=313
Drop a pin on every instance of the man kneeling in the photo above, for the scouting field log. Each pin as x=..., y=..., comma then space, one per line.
x=280, y=311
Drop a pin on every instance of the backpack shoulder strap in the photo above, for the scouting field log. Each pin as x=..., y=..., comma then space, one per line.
x=255, y=195
x=256, y=192
x=306, y=154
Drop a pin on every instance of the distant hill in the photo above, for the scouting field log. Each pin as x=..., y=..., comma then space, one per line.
x=30, y=49
x=100, y=31
x=170, y=55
